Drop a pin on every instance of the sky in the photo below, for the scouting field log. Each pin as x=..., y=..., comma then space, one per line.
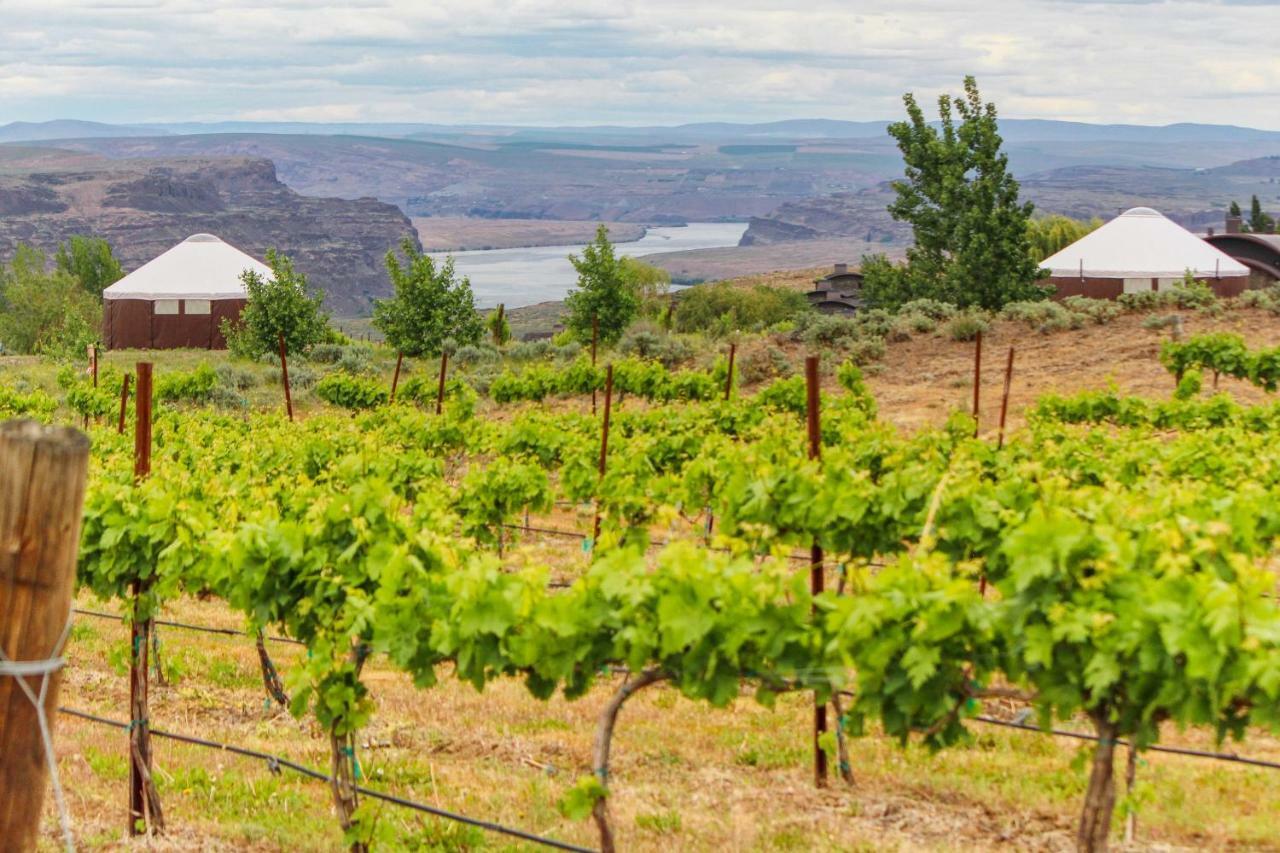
x=573, y=62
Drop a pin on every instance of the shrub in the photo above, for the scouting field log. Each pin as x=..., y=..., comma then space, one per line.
x=301, y=377
x=920, y=324
x=1160, y=321
x=235, y=378
x=931, y=308
x=566, y=351
x=469, y=355
x=865, y=351
x=530, y=351
x=826, y=329
x=356, y=359
x=1099, y=311
x=35, y=404
x=194, y=386
x=966, y=325
x=1043, y=315
x=351, y=392
x=721, y=308
x=874, y=322
x=326, y=353
x=642, y=342
x=1189, y=385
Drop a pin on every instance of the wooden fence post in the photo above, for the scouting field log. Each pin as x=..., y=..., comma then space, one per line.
x=444, y=366
x=144, y=802
x=1004, y=400
x=395, y=380
x=284, y=378
x=604, y=443
x=124, y=402
x=595, y=340
x=977, y=374
x=813, y=401
x=42, y=481
x=728, y=380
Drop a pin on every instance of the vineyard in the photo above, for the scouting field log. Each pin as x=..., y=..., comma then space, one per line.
x=1105, y=570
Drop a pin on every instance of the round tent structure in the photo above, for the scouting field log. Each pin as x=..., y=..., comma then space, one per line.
x=1141, y=250
x=180, y=298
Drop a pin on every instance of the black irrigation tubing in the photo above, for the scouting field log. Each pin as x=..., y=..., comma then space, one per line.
x=230, y=632
x=1175, y=750
x=275, y=762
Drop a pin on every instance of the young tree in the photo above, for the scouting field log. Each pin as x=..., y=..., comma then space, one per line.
x=498, y=326
x=89, y=261
x=44, y=312
x=1234, y=210
x=604, y=292
x=430, y=304
x=1259, y=222
x=971, y=244
x=282, y=303
x=1051, y=234
x=650, y=284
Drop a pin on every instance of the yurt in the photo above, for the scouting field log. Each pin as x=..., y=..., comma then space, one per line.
x=180, y=298
x=1141, y=250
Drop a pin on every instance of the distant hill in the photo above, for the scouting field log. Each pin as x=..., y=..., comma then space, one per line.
x=144, y=207
x=25, y=131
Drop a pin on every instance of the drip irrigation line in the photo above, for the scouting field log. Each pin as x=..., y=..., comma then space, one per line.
x=230, y=632
x=275, y=762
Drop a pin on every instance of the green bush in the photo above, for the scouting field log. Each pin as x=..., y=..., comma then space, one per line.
x=235, y=378
x=642, y=342
x=351, y=392
x=966, y=325
x=827, y=329
x=1045, y=316
x=1098, y=311
x=34, y=404
x=195, y=386
x=720, y=308
x=931, y=308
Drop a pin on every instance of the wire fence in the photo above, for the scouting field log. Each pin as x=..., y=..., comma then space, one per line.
x=275, y=763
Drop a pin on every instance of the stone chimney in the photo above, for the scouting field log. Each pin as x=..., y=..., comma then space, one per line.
x=1233, y=224
x=841, y=269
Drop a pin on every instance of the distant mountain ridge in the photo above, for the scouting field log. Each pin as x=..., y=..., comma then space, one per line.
x=1014, y=130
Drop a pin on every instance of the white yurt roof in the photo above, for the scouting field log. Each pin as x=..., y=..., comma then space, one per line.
x=200, y=267
x=1142, y=243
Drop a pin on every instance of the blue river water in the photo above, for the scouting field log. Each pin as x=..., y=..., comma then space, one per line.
x=517, y=277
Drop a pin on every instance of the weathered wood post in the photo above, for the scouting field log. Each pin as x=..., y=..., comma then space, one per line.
x=816, y=581
x=444, y=366
x=124, y=402
x=42, y=481
x=977, y=375
x=604, y=444
x=1004, y=400
x=144, y=802
x=395, y=380
x=284, y=378
x=728, y=380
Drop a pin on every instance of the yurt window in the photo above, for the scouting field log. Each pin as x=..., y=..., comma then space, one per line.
x=199, y=306
x=166, y=306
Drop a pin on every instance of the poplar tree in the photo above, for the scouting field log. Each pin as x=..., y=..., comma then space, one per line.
x=971, y=229
x=605, y=293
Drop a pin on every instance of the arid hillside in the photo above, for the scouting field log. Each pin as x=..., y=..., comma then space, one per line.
x=145, y=207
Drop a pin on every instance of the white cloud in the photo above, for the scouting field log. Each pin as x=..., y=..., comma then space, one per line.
x=633, y=61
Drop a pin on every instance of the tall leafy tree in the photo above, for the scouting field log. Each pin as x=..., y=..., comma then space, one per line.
x=650, y=284
x=1259, y=221
x=1051, y=234
x=1234, y=210
x=431, y=304
x=89, y=261
x=971, y=242
x=280, y=304
x=43, y=311
x=606, y=291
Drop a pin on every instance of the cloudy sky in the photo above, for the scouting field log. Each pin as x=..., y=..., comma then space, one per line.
x=648, y=62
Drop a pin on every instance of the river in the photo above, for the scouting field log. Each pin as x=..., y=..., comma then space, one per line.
x=517, y=277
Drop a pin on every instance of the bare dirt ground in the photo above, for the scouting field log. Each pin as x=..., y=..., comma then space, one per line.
x=460, y=233
x=919, y=382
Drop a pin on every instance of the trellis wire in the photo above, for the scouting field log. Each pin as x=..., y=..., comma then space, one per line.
x=275, y=762
x=231, y=632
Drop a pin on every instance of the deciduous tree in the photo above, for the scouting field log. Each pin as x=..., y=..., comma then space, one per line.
x=431, y=304
x=90, y=262
x=971, y=244
x=280, y=304
x=604, y=291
